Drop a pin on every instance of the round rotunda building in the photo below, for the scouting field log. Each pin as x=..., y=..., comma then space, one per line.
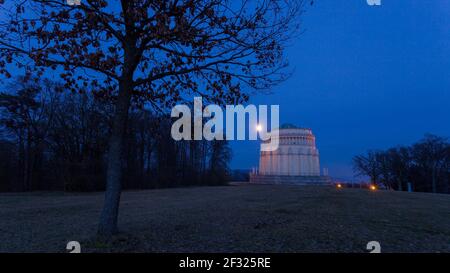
x=295, y=161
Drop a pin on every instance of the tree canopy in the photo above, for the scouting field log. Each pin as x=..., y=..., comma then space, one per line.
x=162, y=49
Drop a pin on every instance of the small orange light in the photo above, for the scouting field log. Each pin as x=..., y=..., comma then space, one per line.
x=339, y=185
x=373, y=187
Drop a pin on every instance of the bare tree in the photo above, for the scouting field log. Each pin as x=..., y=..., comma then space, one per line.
x=27, y=114
x=151, y=50
x=432, y=155
x=399, y=165
x=368, y=165
x=425, y=164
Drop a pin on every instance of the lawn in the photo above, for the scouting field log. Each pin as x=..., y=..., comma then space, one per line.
x=240, y=218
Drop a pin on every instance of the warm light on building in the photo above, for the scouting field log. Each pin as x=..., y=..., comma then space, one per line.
x=339, y=185
x=373, y=187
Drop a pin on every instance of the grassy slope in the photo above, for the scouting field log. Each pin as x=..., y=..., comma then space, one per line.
x=232, y=219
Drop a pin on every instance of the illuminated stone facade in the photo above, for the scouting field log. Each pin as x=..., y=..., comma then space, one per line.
x=296, y=161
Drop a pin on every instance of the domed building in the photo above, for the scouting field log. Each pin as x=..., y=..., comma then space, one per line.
x=296, y=161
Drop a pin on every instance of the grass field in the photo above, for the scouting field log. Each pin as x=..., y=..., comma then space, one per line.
x=251, y=218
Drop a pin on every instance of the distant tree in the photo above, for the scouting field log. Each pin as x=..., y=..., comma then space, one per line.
x=27, y=114
x=394, y=166
x=368, y=165
x=432, y=156
x=384, y=163
x=218, y=161
x=70, y=152
x=78, y=138
x=425, y=164
x=141, y=145
x=153, y=51
x=400, y=164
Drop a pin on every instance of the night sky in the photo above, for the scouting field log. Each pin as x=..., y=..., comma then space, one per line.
x=364, y=78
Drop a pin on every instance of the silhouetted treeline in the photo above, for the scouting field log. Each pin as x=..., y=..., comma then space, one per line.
x=425, y=165
x=54, y=140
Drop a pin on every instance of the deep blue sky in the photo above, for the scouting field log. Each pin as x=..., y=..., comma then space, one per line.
x=365, y=78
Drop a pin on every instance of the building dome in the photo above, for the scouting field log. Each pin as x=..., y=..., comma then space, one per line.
x=296, y=155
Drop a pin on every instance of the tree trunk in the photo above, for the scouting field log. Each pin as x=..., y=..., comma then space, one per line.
x=109, y=215
x=433, y=180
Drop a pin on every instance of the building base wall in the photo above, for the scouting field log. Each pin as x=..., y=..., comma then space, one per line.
x=290, y=180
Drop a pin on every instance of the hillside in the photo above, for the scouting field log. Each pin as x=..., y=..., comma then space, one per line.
x=231, y=219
